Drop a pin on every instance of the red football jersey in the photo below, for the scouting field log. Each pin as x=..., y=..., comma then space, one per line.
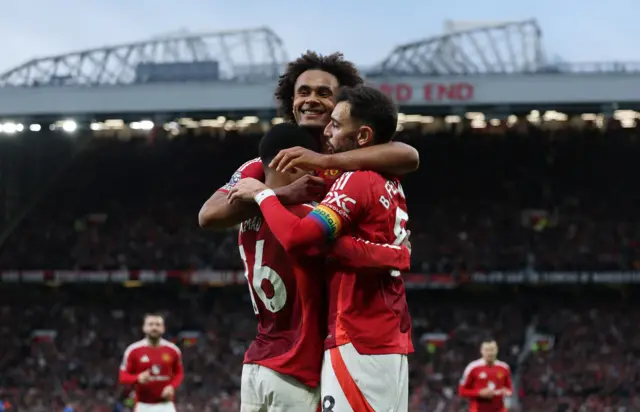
x=287, y=291
x=479, y=375
x=287, y=296
x=164, y=362
x=368, y=310
x=254, y=169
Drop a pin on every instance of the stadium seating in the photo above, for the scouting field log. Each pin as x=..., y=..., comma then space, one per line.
x=538, y=201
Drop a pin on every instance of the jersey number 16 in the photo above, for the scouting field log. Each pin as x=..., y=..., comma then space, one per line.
x=262, y=272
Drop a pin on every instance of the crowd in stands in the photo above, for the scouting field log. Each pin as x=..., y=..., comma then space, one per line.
x=544, y=201
x=592, y=365
x=539, y=201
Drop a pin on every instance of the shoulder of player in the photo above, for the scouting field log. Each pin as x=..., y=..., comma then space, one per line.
x=168, y=344
x=142, y=343
x=473, y=365
x=356, y=178
x=250, y=163
x=503, y=365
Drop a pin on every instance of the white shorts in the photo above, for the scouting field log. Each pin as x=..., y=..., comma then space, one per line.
x=364, y=383
x=155, y=407
x=265, y=390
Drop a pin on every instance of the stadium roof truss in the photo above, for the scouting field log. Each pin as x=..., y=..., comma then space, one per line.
x=241, y=54
x=500, y=48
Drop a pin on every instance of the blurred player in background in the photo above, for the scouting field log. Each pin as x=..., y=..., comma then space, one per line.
x=283, y=364
x=307, y=94
x=365, y=364
x=486, y=381
x=153, y=366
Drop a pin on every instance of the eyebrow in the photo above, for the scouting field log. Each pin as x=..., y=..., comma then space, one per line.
x=321, y=87
x=333, y=119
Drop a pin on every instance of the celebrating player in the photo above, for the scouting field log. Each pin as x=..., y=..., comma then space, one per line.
x=486, y=381
x=283, y=364
x=365, y=363
x=154, y=367
x=307, y=95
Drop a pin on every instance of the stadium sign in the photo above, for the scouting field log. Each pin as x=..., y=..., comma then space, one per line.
x=430, y=92
x=417, y=92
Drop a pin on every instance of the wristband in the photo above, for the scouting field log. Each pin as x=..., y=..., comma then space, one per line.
x=263, y=195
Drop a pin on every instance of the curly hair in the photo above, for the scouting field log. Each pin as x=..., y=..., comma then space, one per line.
x=335, y=64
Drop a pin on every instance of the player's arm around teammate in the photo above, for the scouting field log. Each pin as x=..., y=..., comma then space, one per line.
x=307, y=95
x=393, y=158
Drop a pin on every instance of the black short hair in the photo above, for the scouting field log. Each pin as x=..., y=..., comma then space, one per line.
x=153, y=315
x=373, y=108
x=488, y=339
x=285, y=136
x=335, y=64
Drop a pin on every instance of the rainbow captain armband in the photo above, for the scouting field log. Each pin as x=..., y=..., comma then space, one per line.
x=328, y=219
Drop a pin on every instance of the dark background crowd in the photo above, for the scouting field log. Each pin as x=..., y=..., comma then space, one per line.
x=483, y=201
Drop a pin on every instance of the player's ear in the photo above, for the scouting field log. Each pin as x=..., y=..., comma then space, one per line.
x=365, y=136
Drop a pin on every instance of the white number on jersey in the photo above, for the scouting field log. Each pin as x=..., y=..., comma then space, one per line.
x=260, y=272
x=400, y=231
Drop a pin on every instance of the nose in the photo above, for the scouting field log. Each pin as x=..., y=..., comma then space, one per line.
x=327, y=130
x=312, y=99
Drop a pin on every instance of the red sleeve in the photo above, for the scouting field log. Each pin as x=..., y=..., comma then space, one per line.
x=466, y=388
x=344, y=202
x=127, y=375
x=253, y=168
x=178, y=371
x=361, y=254
x=508, y=384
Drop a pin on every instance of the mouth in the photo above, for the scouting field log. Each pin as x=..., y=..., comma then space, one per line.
x=312, y=113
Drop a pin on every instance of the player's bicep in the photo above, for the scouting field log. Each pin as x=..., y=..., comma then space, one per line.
x=126, y=364
x=467, y=378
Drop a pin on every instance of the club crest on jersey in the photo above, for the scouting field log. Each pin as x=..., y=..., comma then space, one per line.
x=339, y=199
x=166, y=357
x=499, y=374
x=331, y=172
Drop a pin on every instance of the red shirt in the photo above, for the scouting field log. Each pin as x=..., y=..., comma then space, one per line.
x=287, y=293
x=164, y=361
x=287, y=298
x=254, y=169
x=367, y=308
x=479, y=375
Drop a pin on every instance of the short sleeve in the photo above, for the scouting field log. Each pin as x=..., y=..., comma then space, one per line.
x=253, y=168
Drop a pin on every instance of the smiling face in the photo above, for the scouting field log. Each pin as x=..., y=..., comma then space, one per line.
x=314, y=98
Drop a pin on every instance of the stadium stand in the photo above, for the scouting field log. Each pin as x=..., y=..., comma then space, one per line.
x=484, y=203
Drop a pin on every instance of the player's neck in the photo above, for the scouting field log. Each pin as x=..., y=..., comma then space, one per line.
x=153, y=341
x=275, y=180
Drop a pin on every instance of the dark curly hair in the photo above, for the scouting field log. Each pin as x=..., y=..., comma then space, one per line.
x=335, y=64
